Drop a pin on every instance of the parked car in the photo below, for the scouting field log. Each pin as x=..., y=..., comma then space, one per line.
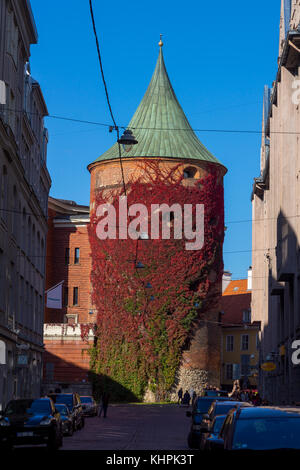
x=219, y=407
x=72, y=400
x=201, y=406
x=66, y=418
x=31, y=422
x=212, y=432
x=214, y=393
x=259, y=428
x=89, y=406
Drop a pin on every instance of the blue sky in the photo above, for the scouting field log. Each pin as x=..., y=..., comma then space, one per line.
x=219, y=55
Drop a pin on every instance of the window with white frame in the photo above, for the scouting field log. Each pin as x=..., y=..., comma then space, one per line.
x=247, y=316
x=229, y=343
x=245, y=342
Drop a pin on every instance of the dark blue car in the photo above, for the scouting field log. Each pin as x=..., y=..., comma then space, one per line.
x=30, y=422
x=200, y=408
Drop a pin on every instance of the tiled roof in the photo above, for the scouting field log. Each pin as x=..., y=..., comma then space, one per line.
x=237, y=287
x=160, y=125
x=235, y=299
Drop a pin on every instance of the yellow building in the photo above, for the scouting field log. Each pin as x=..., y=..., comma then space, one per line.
x=239, y=349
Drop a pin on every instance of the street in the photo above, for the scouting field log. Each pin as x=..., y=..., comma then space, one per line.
x=134, y=427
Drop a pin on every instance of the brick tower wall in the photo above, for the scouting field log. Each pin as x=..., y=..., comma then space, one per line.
x=200, y=365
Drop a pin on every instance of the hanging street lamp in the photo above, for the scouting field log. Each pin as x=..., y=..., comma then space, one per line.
x=127, y=140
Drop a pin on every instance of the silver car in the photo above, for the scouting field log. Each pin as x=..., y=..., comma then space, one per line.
x=89, y=406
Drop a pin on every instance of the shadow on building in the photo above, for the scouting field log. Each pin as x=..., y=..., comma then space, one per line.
x=70, y=377
x=281, y=325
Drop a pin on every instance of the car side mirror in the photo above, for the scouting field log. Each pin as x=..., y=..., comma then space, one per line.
x=188, y=414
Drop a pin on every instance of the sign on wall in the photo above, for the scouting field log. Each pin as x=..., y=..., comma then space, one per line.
x=2, y=352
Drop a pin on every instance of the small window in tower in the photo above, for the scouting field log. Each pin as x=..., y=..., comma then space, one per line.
x=76, y=256
x=189, y=172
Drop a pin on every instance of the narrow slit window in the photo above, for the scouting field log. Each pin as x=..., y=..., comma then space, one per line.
x=76, y=255
x=75, y=295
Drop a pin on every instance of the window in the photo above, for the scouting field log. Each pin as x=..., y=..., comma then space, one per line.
x=72, y=319
x=245, y=364
x=76, y=256
x=4, y=193
x=75, y=295
x=67, y=256
x=189, y=172
x=66, y=296
x=247, y=316
x=245, y=343
x=229, y=343
x=229, y=371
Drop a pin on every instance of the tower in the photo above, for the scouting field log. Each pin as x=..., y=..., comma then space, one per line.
x=166, y=138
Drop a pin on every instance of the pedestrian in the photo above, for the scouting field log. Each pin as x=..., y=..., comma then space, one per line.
x=104, y=404
x=194, y=396
x=186, y=398
x=180, y=393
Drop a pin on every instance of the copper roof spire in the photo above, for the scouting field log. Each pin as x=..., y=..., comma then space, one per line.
x=160, y=125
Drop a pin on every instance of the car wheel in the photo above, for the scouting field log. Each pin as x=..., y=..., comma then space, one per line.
x=82, y=423
x=71, y=430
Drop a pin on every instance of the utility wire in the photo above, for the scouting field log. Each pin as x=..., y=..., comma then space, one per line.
x=82, y=121
x=106, y=93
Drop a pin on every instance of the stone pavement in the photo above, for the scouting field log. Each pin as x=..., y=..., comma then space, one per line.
x=134, y=427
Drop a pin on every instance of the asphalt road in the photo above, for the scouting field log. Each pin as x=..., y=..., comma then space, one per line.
x=134, y=427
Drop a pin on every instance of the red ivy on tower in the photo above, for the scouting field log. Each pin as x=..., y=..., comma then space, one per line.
x=145, y=316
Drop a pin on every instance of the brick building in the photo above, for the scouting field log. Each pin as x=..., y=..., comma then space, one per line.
x=66, y=361
x=177, y=146
x=239, y=350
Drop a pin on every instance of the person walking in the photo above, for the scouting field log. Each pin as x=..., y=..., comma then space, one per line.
x=186, y=398
x=180, y=393
x=103, y=404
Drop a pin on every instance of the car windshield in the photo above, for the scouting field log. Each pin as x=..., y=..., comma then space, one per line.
x=28, y=406
x=65, y=399
x=18, y=407
x=63, y=410
x=222, y=408
x=215, y=393
x=202, y=405
x=86, y=399
x=267, y=433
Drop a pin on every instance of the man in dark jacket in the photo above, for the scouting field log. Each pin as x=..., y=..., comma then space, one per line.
x=104, y=404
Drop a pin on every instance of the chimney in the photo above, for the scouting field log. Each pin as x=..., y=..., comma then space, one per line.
x=226, y=280
x=249, y=283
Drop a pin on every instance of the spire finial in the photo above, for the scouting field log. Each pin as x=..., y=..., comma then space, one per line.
x=160, y=42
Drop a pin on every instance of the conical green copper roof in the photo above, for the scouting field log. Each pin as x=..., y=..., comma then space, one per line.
x=160, y=125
